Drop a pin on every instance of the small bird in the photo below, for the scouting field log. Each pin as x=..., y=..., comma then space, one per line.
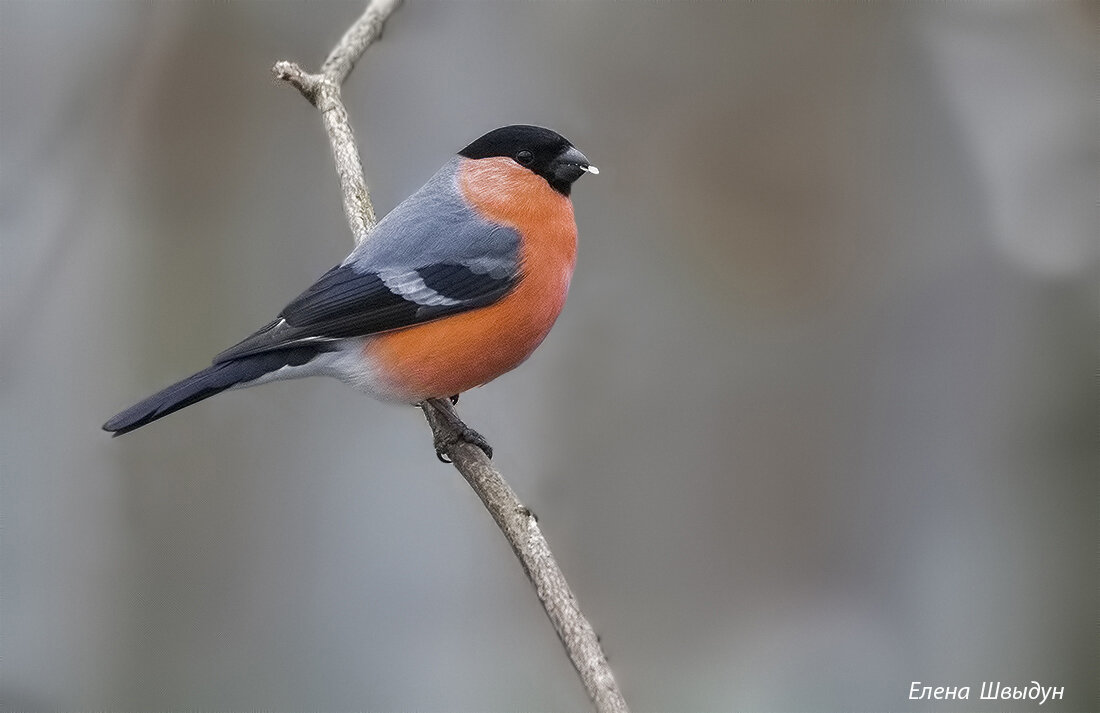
x=454, y=287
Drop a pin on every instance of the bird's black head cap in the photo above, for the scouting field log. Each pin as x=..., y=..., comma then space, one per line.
x=545, y=152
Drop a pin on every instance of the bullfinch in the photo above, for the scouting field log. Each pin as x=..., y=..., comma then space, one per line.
x=454, y=287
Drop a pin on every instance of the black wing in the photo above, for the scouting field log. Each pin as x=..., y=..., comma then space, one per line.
x=347, y=303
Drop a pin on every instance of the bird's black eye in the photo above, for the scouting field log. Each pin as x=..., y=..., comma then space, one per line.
x=524, y=157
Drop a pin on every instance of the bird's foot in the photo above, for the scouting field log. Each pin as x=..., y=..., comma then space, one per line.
x=455, y=432
x=462, y=434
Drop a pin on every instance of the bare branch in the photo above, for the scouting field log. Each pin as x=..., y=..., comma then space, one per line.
x=323, y=91
x=516, y=522
x=355, y=41
x=521, y=529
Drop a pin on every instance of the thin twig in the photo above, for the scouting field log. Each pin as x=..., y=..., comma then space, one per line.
x=516, y=522
x=355, y=41
x=521, y=529
x=323, y=91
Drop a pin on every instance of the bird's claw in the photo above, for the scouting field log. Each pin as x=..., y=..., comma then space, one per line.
x=473, y=437
x=465, y=434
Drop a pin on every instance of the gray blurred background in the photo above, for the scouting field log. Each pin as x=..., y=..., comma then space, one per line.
x=819, y=419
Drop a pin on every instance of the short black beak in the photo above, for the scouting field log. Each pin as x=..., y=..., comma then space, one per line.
x=569, y=165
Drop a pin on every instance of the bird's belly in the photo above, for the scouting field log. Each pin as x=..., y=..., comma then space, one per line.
x=459, y=352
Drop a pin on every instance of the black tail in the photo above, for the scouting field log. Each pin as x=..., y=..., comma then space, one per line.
x=211, y=380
